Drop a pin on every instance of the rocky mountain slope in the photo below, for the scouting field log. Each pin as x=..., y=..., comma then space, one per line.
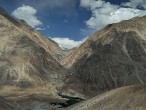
x=49, y=45
x=32, y=77
x=112, y=57
x=30, y=72
x=7, y=105
x=125, y=98
x=27, y=59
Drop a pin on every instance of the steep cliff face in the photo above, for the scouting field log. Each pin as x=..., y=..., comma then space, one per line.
x=49, y=45
x=27, y=59
x=112, y=57
x=126, y=98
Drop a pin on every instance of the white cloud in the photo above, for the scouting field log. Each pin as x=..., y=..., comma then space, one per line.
x=40, y=28
x=67, y=43
x=91, y=4
x=28, y=14
x=104, y=13
x=135, y=3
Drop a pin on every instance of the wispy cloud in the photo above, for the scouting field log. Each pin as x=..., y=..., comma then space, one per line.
x=65, y=21
x=28, y=14
x=67, y=42
x=104, y=13
x=40, y=28
x=135, y=3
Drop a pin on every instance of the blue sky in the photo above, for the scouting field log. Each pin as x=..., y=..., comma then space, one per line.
x=69, y=22
x=64, y=20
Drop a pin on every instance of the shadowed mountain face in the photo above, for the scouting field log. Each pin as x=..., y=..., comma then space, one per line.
x=27, y=59
x=7, y=105
x=113, y=57
x=126, y=98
